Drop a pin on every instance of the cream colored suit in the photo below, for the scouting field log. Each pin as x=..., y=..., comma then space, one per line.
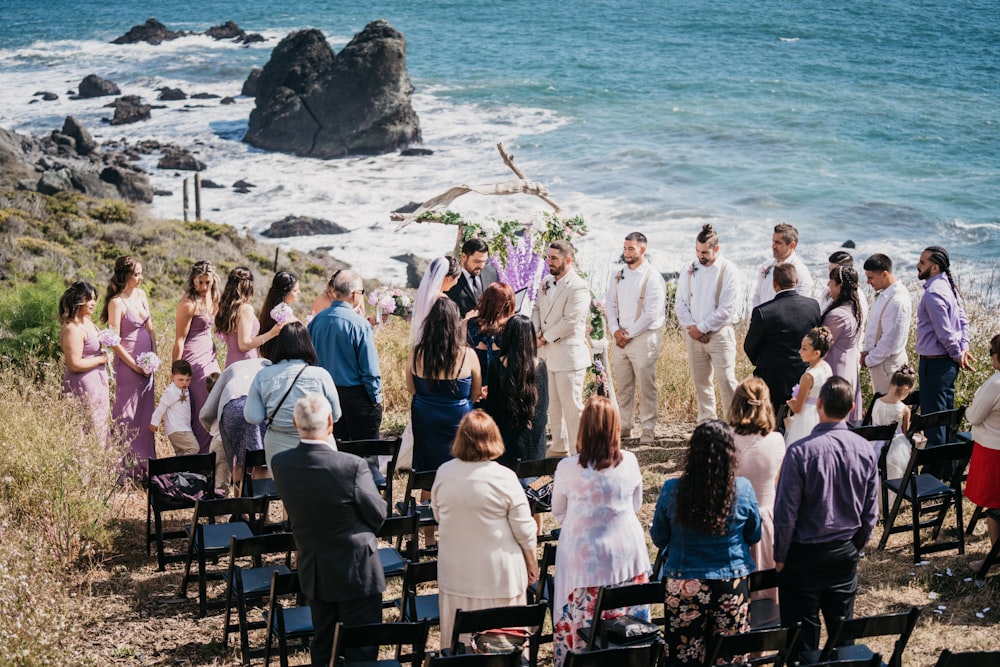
x=560, y=316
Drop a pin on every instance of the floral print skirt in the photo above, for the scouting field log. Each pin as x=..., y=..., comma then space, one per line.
x=579, y=613
x=699, y=608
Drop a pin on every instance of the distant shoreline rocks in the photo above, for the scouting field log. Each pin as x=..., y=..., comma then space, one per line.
x=155, y=33
x=302, y=225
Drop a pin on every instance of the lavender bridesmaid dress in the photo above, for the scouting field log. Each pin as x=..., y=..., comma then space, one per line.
x=233, y=353
x=91, y=387
x=134, y=403
x=199, y=351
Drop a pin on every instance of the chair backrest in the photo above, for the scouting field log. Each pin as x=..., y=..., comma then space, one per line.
x=260, y=545
x=874, y=661
x=417, y=480
x=969, y=659
x=377, y=447
x=762, y=580
x=545, y=574
x=775, y=641
x=202, y=464
x=512, y=659
x=537, y=467
x=882, y=433
x=254, y=508
x=479, y=620
x=402, y=527
x=629, y=595
x=285, y=583
x=253, y=458
x=420, y=572
x=629, y=656
x=382, y=634
x=957, y=453
x=949, y=419
x=867, y=419
x=900, y=624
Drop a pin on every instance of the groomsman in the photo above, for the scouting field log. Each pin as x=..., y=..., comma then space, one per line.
x=476, y=276
x=706, y=305
x=560, y=317
x=635, y=306
x=783, y=244
x=887, y=329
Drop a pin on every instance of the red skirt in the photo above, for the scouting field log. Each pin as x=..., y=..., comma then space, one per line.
x=983, y=484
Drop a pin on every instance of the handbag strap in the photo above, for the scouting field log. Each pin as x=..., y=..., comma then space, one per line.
x=287, y=392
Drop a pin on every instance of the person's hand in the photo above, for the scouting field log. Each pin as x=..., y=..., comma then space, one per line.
x=532, y=570
x=541, y=340
x=790, y=403
x=482, y=394
x=864, y=356
x=152, y=427
x=469, y=315
x=965, y=361
x=695, y=333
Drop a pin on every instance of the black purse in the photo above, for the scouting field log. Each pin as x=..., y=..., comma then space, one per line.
x=628, y=630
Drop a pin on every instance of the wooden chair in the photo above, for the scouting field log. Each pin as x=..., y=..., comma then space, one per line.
x=372, y=450
x=993, y=557
x=529, y=616
x=157, y=504
x=764, y=613
x=257, y=487
x=617, y=597
x=418, y=481
x=285, y=623
x=534, y=469
x=376, y=635
x=625, y=656
x=416, y=606
x=772, y=644
x=840, y=642
x=968, y=659
x=929, y=495
x=394, y=559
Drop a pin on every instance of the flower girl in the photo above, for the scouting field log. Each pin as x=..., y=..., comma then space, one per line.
x=814, y=347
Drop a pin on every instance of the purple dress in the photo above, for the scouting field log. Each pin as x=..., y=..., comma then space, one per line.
x=134, y=403
x=199, y=351
x=844, y=356
x=233, y=353
x=91, y=387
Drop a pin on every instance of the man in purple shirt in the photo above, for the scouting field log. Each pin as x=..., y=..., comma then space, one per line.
x=825, y=510
x=942, y=337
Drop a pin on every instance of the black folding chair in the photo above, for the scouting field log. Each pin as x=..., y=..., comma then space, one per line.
x=929, y=495
x=394, y=559
x=874, y=661
x=764, y=613
x=538, y=471
x=480, y=620
x=512, y=659
x=286, y=623
x=209, y=540
x=417, y=606
x=968, y=659
x=625, y=656
x=617, y=597
x=247, y=585
x=257, y=487
x=418, y=481
x=372, y=450
x=840, y=642
x=770, y=646
x=993, y=557
x=346, y=637
x=157, y=503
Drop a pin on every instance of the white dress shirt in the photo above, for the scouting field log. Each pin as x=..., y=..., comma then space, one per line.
x=174, y=409
x=764, y=291
x=622, y=300
x=696, y=289
x=892, y=308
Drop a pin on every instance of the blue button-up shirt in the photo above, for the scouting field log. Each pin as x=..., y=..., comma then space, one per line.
x=942, y=326
x=697, y=555
x=345, y=346
x=827, y=490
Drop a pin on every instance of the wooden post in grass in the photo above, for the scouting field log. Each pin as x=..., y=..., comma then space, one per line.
x=197, y=196
x=185, y=200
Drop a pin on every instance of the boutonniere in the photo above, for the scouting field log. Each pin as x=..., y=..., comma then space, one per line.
x=620, y=276
x=767, y=271
x=546, y=284
x=693, y=268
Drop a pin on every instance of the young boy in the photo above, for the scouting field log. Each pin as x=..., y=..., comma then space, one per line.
x=175, y=406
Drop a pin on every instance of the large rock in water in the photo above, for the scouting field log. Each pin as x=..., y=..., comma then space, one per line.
x=94, y=86
x=151, y=32
x=312, y=102
x=129, y=109
x=302, y=225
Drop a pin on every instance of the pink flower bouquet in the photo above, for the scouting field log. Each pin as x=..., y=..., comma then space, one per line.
x=282, y=313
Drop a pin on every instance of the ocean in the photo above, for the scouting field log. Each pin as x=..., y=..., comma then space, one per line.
x=874, y=122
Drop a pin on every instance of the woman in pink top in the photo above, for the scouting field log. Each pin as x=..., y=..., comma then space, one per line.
x=236, y=323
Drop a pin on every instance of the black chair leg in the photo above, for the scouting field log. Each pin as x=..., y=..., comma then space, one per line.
x=976, y=514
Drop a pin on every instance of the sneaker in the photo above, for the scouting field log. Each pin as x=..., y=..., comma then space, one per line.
x=647, y=438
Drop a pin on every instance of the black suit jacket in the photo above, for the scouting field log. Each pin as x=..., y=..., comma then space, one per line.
x=773, y=340
x=335, y=510
x=462, y=294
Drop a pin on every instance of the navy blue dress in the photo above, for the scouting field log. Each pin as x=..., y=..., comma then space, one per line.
x=437, y=408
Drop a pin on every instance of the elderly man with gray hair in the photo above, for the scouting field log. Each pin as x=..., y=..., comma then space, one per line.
x=335, y=511
x=345, y=346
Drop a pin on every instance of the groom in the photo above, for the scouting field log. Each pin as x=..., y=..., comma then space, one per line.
x=476, y=276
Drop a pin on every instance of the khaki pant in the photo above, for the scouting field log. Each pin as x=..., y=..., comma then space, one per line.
x=882, y=373
x=183, y=442
x=714, y=359
x=223, y=467
x=565, y=406
x=634, y=367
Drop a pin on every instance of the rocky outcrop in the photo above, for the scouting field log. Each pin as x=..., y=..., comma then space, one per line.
x=69, y=160
x=229, y=30
x=129, y=109
x=302, y=225
x=180, y=159
x=250, y=85
x=416, y=267
x=315, y=103
x=46, y=95
x=151, y=32
x=168, y=94
x=94, y=86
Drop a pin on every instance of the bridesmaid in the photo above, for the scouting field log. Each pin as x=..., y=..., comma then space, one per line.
x=236, y=322
x=193, y=339
x=86, y=377
x=284, y=288
x=126, y=310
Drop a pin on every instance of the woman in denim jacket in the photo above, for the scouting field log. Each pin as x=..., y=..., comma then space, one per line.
x=709, y=518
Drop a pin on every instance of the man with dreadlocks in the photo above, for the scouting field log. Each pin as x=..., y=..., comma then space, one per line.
x=942, y=337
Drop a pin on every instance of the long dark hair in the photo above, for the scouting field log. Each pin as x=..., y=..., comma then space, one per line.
x=238, y=290
x=281, y=286
x=442, y=344
x=847, y=278
x=124, y=268
x=706, y=489
x=202, y=268
x=517, y=388
x=293, y=343
x=73, y=299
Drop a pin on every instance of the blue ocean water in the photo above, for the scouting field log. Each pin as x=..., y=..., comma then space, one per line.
x=877, y=122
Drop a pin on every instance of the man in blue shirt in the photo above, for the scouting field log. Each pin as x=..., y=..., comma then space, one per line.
x=345, y=346
x=824, y=513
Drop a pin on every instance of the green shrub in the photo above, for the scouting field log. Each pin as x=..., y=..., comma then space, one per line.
x=30, y=321
x=111, y=210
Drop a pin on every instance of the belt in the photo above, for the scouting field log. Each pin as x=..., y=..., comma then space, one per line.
x=934, y=356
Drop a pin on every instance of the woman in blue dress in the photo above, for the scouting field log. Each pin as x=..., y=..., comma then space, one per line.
x=495, y=307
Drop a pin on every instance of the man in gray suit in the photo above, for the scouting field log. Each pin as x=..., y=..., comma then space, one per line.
x=334, y=509
x=560, y=316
